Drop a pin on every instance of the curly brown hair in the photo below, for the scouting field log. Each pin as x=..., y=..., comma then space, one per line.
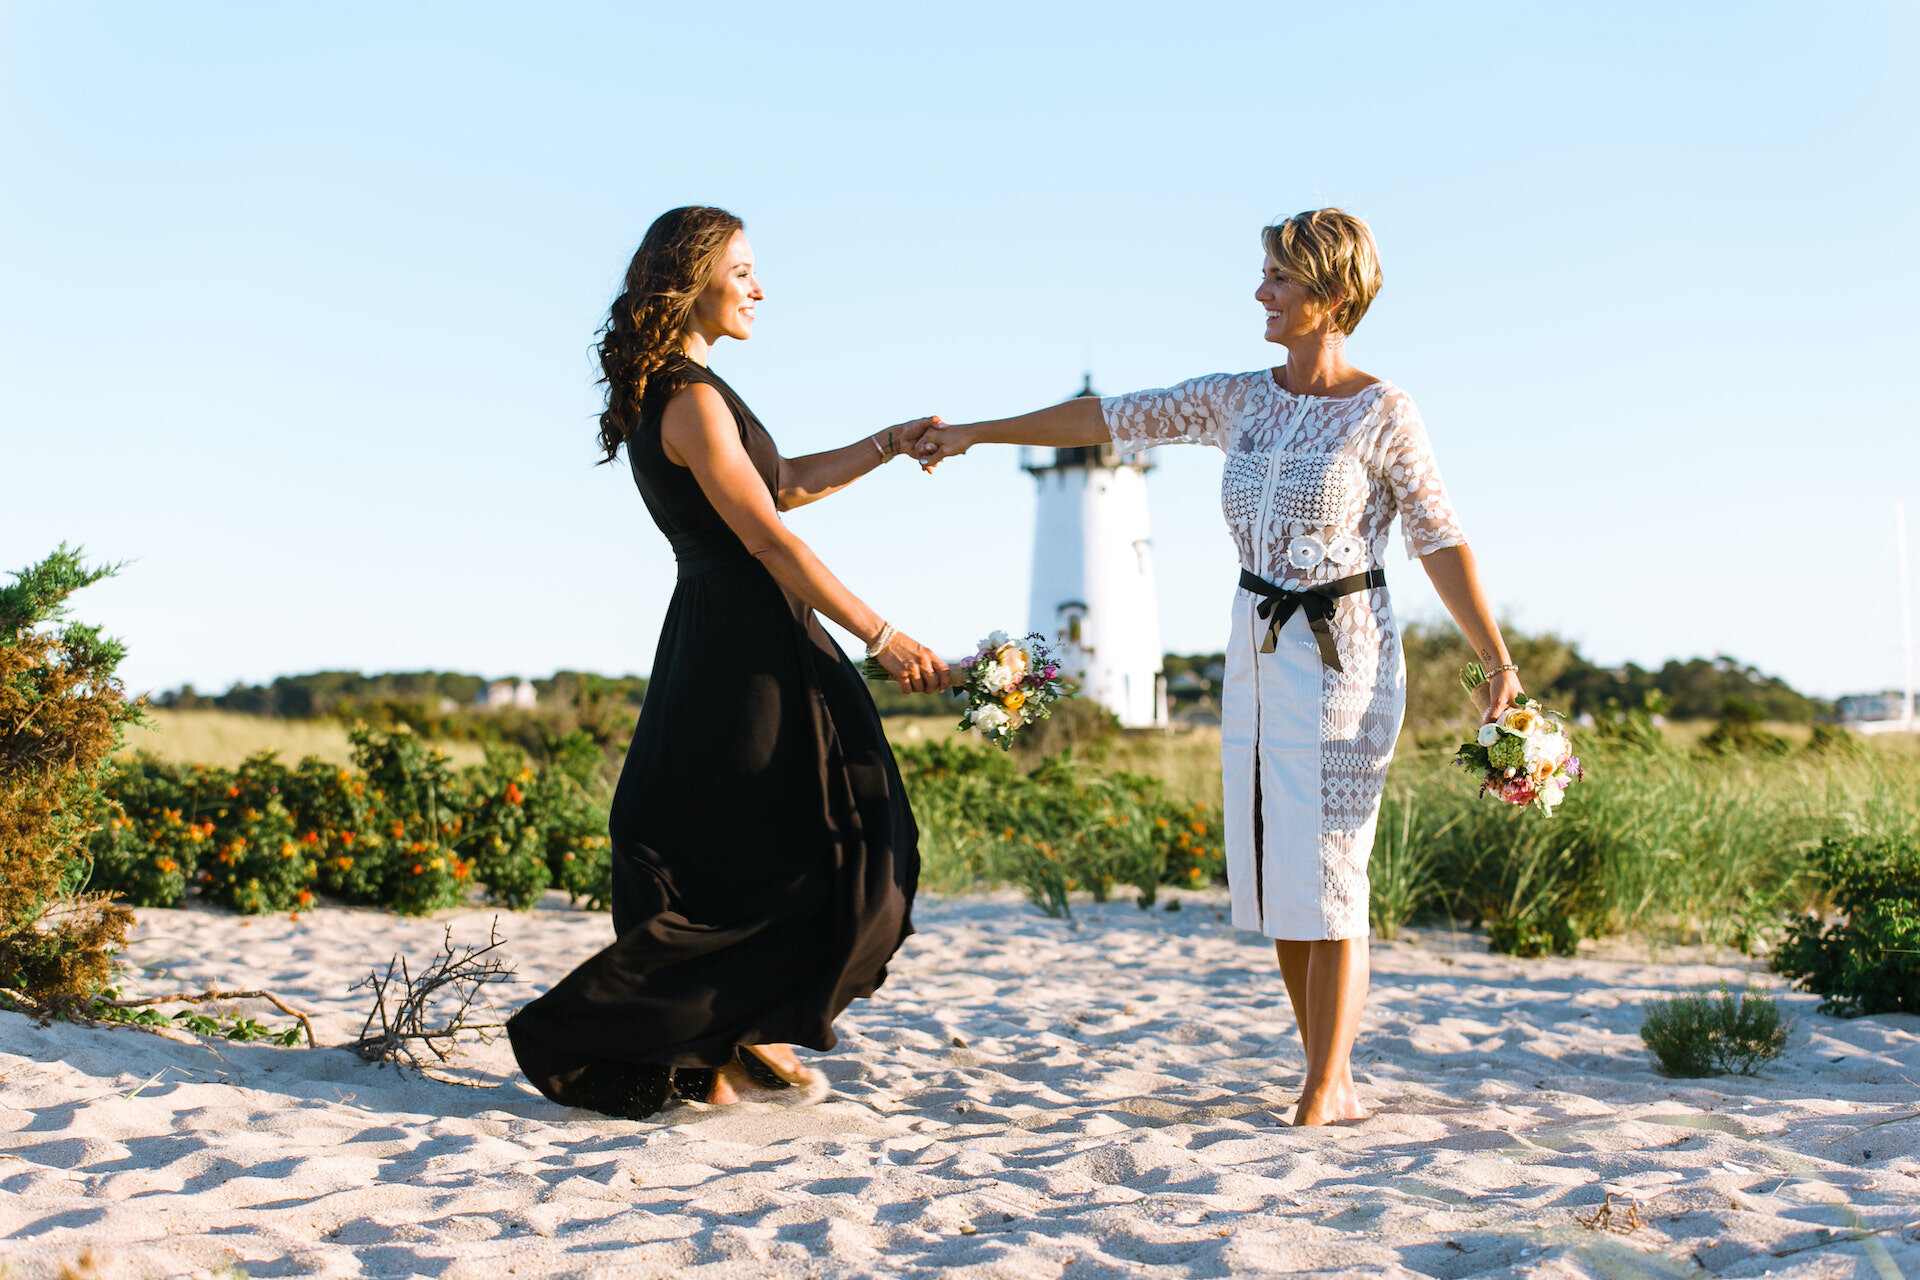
x=673, y=264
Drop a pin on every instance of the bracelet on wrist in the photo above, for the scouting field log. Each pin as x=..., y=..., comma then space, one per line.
x=884, y=455
x=1505, y=666
x=882, y=640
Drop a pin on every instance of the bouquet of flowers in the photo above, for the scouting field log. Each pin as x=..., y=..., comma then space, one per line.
x=1524, y=756
x=1008, y=684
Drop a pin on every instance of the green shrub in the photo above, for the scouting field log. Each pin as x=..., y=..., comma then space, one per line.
x=1705, y=1032
x=1740, y=729
x=1059, y=829
x=256, y=865
x=1830, y=739
x=503, y=835
x=1870, y=962
x=567, y=804
x=398, y=830
x=410, y=790
x=336, y=822
x=62, y=709
x=149, y=836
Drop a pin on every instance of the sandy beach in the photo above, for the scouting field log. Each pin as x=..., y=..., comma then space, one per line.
x=1025, y=1098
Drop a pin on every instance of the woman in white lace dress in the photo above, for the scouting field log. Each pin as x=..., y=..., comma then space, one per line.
x=1320, y=459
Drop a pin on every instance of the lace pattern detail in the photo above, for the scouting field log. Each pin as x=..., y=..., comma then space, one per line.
x=1309, y=466
x=1315, y=489
x=1192, y=412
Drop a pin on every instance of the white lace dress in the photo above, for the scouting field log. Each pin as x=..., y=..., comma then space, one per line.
x=1310, y=487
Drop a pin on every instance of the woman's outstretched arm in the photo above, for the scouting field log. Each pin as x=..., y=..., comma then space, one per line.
x=813, y=477
x=699, y=433
x=1456, y=576
x=1073, y=422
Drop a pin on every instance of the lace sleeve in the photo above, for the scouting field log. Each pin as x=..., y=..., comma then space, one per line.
x=1427, y=519
x=1191, y=412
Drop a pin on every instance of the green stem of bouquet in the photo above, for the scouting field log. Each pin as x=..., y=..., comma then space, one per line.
x=1472, y=676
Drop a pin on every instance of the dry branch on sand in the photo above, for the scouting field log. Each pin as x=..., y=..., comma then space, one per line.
x=214, y=993
x=404, y=1004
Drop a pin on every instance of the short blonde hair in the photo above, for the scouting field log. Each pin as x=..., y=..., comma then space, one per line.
x=1328, y=252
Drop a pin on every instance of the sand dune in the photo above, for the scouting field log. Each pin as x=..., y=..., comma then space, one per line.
x=1024, y=1099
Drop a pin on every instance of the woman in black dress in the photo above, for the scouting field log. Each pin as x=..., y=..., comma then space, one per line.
x=764, y=858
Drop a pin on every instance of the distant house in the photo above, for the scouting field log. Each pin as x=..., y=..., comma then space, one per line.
x=496, y=694
x=1871, y=708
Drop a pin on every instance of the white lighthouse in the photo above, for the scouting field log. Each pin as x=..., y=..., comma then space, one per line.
x=1093, y=576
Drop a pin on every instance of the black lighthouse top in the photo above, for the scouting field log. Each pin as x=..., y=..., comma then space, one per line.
x=1085, y=456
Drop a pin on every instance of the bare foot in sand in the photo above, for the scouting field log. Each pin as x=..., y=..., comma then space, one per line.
x=728, y=1081
x=782, y=1061
x=769, y=1062
x=1336, y=1101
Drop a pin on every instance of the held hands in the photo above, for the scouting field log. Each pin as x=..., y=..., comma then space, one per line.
x=930, y=441
x=915, y=667
x=904, y=437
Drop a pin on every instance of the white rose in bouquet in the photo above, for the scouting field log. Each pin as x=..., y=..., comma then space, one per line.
x=994, y=676
x=1548, y=748
x=1488, y=735
x=989, y=718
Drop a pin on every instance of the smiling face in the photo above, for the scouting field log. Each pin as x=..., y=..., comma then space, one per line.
x=1294, y=312
x=724, y=308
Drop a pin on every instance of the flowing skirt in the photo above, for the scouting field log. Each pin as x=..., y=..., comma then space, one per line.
x=764, y=857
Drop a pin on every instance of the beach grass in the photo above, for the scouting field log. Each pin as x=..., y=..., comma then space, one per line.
x=1678, y=843
x=225, y=738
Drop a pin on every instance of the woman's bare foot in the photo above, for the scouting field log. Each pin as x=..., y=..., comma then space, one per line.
x=782, y=1061
x=727, y=1083
x=1329, y=1104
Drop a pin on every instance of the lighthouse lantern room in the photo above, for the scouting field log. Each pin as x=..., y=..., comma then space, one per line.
x=1093, y=594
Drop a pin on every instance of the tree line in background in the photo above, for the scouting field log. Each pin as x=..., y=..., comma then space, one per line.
x=445, y=704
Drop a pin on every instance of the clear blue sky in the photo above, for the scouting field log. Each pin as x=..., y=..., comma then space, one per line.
x=296, y=306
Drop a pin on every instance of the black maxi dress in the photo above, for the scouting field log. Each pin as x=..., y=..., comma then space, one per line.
x=764, y=857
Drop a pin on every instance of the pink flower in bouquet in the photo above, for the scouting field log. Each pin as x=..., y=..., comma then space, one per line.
x=1516, y=791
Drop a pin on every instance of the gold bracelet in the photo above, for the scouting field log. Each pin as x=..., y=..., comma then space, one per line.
x=875, y=438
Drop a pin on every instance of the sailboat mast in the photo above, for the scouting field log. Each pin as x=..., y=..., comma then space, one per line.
x=1906, y=611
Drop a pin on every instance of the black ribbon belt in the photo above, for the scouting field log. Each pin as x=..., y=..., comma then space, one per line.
x=1318, y=603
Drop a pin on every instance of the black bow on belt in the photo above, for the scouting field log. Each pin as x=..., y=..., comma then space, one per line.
x=1317, y=603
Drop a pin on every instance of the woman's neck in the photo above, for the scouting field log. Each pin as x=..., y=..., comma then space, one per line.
x=1318, y=365
x=697, y=345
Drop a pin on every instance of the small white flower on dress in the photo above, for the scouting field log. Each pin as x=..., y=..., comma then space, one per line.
x=1346, y=550
x=1306, y=551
